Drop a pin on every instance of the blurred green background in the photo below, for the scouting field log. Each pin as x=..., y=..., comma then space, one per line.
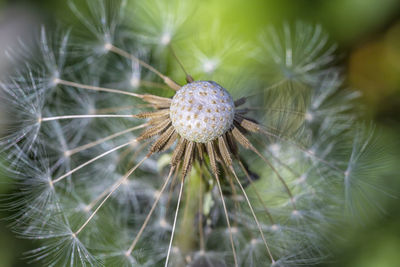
x=368, y=34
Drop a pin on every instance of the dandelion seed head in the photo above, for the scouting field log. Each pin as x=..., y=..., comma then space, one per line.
x=67, y=153
x=296, y=213
x=135, y=81
x=275, y=148
x=165, y=38
x=209, y=65
x=306, y=61
x=107, y=46
x=55, y=80
x=254, y=241
x=156, y=193
x=202, y=111
x=275, y=227
x=86, y=208
x=309, y=116
x=234, y=230
x=91, y=110
x=51, y=184
x=302, y=178
x=125, y=182
x=175, y=250
x=164, y=224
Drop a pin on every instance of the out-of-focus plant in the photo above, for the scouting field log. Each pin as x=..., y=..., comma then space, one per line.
x=121, y=162
x=375, y=68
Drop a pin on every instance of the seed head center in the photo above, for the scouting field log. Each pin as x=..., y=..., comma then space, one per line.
x=202, y=111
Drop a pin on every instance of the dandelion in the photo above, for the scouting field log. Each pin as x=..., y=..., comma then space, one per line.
x=119, y=164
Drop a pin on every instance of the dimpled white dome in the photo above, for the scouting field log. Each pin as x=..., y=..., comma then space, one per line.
x=201, y=111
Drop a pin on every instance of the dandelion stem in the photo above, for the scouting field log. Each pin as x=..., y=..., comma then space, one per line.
x=175, y=218
x=110, y=193
x=146, y=221
x=254, y=215
x=96, y=88
x=102, y=140
x=85, y=117
x=92, y=160
x=168, y=81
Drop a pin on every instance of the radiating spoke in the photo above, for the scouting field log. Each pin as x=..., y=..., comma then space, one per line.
x=109, y=194
x=189, y=78
x=200, y=222
x=171, y=188
x=153, y=84
x=256, y=191
x=283, y=182
x=95, y=88
x=87, y=116
x=211, y=154
x=92, y=160
x=168, y=81
x=114, y=109
x=227, y=219
x=174, y=225
x=103, y=194
x=290, y=111
x=102, y=140
x=235, y=195
x=254, y=215
x=246, y=143
x=146, y=221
